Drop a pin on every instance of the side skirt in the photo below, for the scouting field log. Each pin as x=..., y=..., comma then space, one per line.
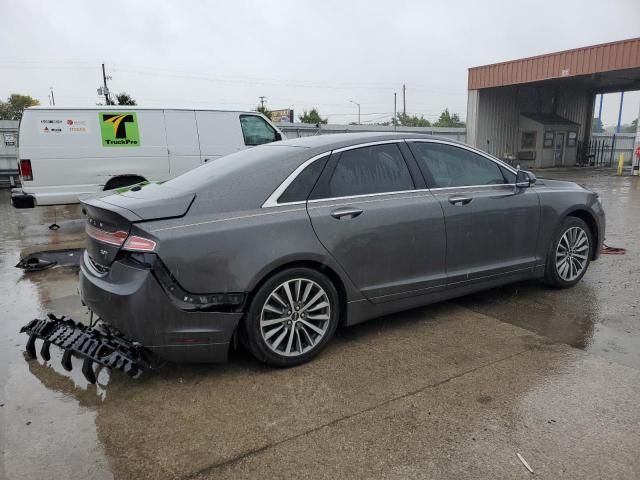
x=362, y=310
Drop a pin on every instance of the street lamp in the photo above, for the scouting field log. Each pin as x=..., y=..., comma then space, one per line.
x=351, y=101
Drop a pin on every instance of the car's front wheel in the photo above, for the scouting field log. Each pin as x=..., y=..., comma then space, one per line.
x=569, y=254
x=291, y=317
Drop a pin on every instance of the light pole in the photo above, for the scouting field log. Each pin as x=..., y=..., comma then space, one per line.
x=351, y=101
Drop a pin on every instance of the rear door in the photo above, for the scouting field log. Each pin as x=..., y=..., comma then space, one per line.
x=182, y=141
x=492, y=226
x=387, y=235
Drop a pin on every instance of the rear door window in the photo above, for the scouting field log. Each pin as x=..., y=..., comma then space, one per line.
x=451, y=166
x=256, y=130
x=369, y=170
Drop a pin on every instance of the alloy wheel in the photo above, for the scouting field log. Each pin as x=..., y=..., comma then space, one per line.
x=295, y=317
x=572, y=254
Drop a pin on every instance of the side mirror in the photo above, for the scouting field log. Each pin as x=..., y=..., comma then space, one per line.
x=525, y=179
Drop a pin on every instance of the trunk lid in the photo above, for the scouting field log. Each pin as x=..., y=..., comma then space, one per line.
x=152, y=201
x=106, y=228
x=110, y=216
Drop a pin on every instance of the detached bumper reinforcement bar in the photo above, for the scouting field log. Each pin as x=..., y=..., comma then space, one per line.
x=96, y=344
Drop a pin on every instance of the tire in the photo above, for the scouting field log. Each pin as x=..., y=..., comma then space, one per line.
x=119, y=182
x=569, y=256
x=276, y=333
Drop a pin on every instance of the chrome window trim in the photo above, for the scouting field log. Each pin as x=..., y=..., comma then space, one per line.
x=491, y=185
x=366, y=195
x=417, y=190
x=368, y=144
x=272, y=200
x=497, y=161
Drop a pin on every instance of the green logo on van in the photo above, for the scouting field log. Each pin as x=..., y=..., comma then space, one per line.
x=119, y=129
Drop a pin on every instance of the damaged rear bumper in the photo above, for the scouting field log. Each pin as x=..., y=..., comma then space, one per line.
x=99, y=345
x=130, y=298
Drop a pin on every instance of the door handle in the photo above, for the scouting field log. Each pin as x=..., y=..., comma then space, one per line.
x=346, y=212
x=206, y=160
x=459, y=200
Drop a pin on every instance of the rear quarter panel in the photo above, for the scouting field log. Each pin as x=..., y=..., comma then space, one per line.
x=233, y=252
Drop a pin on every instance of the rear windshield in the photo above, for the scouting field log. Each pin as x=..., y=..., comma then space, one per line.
x=274, y=160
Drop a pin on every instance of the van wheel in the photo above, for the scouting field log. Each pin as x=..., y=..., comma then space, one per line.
x=292, y=317
x=123, y=181
x=569, y=254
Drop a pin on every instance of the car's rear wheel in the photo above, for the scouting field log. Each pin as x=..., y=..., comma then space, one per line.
x=569, y=254
x=292, y=317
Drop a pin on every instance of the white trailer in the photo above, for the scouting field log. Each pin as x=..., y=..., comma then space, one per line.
x=69, y=153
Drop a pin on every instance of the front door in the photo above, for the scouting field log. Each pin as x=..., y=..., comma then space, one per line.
x=388, y=237
x=558, y=149
x=492, y=226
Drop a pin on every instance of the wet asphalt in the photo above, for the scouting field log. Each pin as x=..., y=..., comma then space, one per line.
x=453, y=390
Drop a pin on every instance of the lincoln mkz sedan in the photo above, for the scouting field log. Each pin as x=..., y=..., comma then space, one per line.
x=278, y=245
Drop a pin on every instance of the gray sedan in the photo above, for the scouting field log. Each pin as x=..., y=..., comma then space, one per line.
x=278, y=245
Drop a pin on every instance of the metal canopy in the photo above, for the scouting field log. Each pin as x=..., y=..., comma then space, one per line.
x=603, y=68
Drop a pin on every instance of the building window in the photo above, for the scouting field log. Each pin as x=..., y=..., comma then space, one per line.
x=529, y=140
x=572, y=139
x=548, y=140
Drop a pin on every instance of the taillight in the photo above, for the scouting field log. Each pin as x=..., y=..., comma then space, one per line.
x=139, y=244
x=110, y=238
x=26, y=172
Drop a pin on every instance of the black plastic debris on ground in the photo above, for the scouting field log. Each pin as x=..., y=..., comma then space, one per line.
x=92, y=344
x=39, y=261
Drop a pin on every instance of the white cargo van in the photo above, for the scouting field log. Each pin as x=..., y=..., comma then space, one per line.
x=65, y=154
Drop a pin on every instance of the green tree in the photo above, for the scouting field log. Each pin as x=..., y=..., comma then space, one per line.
x=448, y=120
x=629, y=128
x=263, y=110
x=124, y=98
x=14, y=106
x=596, y=126
x=312, y=116
x=406, y=120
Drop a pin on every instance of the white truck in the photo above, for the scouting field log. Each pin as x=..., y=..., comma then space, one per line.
x=65, y=154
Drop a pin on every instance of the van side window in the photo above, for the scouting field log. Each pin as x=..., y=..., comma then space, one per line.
x=256, y=130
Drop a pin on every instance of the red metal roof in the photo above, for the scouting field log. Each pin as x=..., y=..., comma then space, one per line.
x=606, y=57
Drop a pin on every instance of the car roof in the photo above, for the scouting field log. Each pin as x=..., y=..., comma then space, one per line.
x=326, y=142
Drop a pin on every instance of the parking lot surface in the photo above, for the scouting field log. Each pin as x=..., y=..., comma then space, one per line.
x=454, y=390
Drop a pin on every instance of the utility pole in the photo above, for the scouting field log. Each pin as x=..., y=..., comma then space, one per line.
x=53, y=99
x=107, y=98
x=404, y=99
x=395, y=114
x=358, y=111
x=262, y=99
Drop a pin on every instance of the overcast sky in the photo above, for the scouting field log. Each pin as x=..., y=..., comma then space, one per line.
x=297, y=54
